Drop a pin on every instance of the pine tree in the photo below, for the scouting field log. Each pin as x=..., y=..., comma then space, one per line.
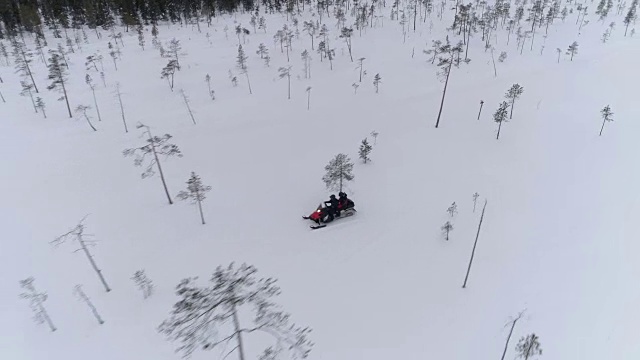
x=286, y=72
x=453, y=209
x=140, y=30
x=607, y=115
x=174, y=49
x=26, y=90
x=114, y=55
x=360, y=68
x=89, y=82
x=40, y=105
x=512, y=95
x=202, y=314
x=78, y=234
x=528, y=347
x=446, y=229
x=475, y=200
x=345, y=34
x=22, y=59
x=628, y=19
x=82, y=110
x=339, y=170
x=365, y=150
x=4, y=53
x=58, y=76
x=36, y=301
x=155, y=146
x=143, y=283
x=196, y=192
x=241, y=63
x=262, y=24
x=377, y=80
x=572, y=49
x=310, y=28
x=169, y=71
x=448, y=58
x=262, y=51
x=306, y=61
x=500, y=116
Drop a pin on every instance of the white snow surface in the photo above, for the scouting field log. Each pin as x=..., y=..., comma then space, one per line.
x=559, y=237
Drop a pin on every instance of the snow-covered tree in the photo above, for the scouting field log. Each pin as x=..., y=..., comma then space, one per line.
x=306, y=63
x=241, y=64
x=365, y=150
x=512, y=95
x=572, y=49
x=36, y=301
x=174, y=50
x=345, y=34
x=196, y=192
x=22, y=59
x=4, y=53
x=207, y=317
x=262, y=24
x=285, y=71
x=338, y=171
x=26, y=91
x=500, y=116
x=140, y=31
x=310, y=28
x=377, y=80
x=143, y=283
x=89, y=81
x=528, y=347
x=58, y=76
x=82, y=110
x=262, y=51
x=82, y=296
x=169, y=71
x=607, y=115
x=41, y=106
x=446, y=229
x=155, y=146
x=77, y=233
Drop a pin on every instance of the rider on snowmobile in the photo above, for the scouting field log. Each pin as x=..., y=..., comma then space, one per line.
x=344, y=202
x=332, y=204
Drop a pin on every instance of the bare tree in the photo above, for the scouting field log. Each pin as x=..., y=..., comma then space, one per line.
x=26, y=90
x=480, y=111
x=77, y=233
x=36, y=301
x=475, y=200
x=196, y=192
x=143, y=283
x=306, y=62
x=82, y=110
x=360, y=67
x=308, y=97
x=119, y=95
x=155, y=146
x=89, y=82
x=453, y=209
x=186, y=102
x=475, y=244
x=207, y=317
x=82, y=296
x=513, y=325
x=211, y=92
x=377, y=80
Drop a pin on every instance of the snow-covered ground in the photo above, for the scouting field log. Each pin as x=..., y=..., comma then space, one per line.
x=558, y=239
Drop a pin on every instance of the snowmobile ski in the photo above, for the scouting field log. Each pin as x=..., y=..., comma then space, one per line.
x=315, y=227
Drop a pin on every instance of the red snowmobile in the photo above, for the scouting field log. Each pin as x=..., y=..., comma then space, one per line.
x=326, y=214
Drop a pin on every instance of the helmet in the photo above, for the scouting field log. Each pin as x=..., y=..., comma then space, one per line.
x=341, y=194
x=332, y=197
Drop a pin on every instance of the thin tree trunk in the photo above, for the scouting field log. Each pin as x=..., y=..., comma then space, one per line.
x=236, y=324
x=2, y=97
x=289, y=87
x=124, y=121
x=464, y=285
x=444, y=92
x=46, y=317
x=33, y=102
x=602, y=128
x=89, y=122
x=248, y=82
x=26, y=64
x=512, y=104
x=506, y=345
x=480, y=112
x=95, y=102
x=90, y=305
x=499, y=127
x=308, y=100
x=495, y=72
x=155, y=155
x=66, y=98
x=93, y=264
x=201, y=214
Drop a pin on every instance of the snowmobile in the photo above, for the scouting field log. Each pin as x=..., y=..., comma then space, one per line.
x=324, y=215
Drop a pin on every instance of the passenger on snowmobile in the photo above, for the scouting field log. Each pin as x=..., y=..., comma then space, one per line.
x=332, y=204
x=344, y=202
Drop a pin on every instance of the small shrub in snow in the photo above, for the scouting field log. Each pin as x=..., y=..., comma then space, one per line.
x=143, y=283
x=446, y=229
x=528, y=347
x=365, y=150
